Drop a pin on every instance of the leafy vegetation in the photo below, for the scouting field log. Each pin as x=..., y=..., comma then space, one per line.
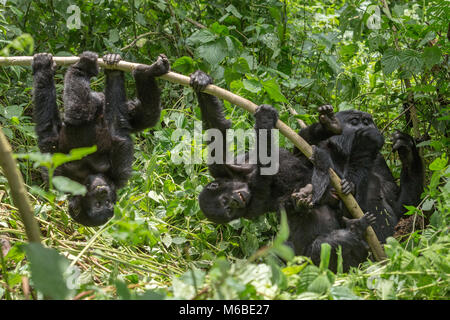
x=389, y=58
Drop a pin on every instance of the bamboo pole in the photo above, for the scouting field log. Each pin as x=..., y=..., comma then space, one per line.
x=18, y=191
x=223, y=94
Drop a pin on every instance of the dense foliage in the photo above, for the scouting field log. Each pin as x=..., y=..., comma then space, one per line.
x=389, y=58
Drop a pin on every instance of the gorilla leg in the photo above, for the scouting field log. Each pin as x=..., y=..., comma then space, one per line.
x=145, y=111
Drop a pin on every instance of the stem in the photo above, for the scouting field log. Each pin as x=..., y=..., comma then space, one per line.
x=18, y=191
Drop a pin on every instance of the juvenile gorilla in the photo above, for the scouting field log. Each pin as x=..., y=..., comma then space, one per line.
x=355, y=156
x=94, y=118
x=240, y=190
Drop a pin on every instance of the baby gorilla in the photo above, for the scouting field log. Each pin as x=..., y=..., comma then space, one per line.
x=94, y=118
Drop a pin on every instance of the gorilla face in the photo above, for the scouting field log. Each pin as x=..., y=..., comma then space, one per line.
x=224, y=200
x=353, y=120
x=357, y=127
x=97, y=206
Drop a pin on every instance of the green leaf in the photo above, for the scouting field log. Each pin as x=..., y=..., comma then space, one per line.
x=439, y=163
x=411, y=60
x=320, y=285
x=213, y=52
x=325, y=252
x=348, y=51
x=122, y=290
x=75, y=154
x=114, y=35
x=11, y=111
x=184, y=65
x=273, y=90
x=390, y=61
x=39, y=159
x=331, y=61
x=64, y=184
x=232, y=9
x=47, y=269
x=428, y=204
x=201, y=36
x=252, y=85
x=343, y=293
x=431, y=56
x=219, y=29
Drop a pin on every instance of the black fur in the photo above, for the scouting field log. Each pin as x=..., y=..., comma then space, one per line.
x=95, y=118
x=241, y=191
x=355, y=156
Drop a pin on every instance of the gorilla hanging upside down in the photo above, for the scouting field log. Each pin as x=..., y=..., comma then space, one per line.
x=240, y=190
x=94, y=118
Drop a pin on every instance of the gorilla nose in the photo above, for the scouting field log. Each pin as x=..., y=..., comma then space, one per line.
x=101, y=191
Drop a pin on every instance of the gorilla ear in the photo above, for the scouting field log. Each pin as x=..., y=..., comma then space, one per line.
x=75, y=206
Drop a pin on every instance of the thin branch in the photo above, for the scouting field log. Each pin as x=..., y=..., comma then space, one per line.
x=152, y=33
x=223, y=94
x=195, y=23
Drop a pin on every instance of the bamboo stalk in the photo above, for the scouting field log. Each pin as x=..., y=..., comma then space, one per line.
x=18, y=191
x=223, y=94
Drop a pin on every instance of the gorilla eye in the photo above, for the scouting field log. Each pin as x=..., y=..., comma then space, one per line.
x=213, y=186
x=354, y=121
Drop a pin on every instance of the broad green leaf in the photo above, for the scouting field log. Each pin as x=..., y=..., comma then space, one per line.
x=184, y=65
x=320, y=285
x=411, y=60
x=11, y=111
x=213, y=52
x=390, y=61
x=439, y=163
x=273, y=90
x=64, y=184
x=47, y=270
x=252, y=85
x=201, y=36
x=431, y=56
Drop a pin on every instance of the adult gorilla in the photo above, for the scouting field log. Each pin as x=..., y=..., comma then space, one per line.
x=356, y=157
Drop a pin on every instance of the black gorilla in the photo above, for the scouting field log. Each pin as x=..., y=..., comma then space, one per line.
x=240, y=190
x=95, y=118
x=355, y=156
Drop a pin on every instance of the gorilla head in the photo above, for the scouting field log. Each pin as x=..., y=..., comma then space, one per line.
x=357, y=125
x=229, y=196
x=96, y=207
